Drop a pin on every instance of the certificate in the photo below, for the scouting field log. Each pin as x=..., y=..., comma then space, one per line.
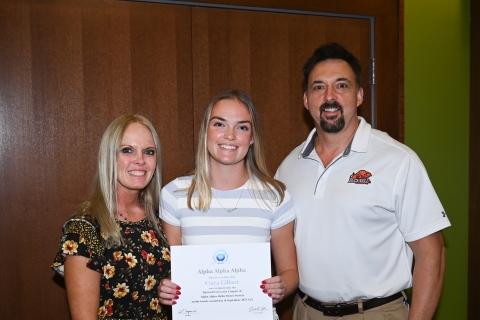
x=221, y=281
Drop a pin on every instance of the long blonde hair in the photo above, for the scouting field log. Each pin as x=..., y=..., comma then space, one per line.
x=254, y=160
x=102, y=204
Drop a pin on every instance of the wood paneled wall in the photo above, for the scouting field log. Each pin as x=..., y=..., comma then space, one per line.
x=68, y=68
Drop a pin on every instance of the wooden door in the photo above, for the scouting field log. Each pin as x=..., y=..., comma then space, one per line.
x=263, y=53
x=386, y=33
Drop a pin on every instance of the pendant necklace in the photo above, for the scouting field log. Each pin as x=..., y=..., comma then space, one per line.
x=125, y=217
x=230, y=210
x=121, y=215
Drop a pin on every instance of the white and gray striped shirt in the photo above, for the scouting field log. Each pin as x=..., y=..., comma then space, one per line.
x=251, y=221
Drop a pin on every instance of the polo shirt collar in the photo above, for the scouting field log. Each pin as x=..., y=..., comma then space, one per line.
x=309, y=145
x=359, y=142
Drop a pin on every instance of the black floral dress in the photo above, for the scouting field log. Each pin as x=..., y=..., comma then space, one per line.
x=130, y=273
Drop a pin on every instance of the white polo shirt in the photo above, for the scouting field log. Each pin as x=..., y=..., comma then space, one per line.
x=355, y=216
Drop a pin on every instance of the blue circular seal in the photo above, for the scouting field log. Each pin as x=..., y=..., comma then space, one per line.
x=220, y=256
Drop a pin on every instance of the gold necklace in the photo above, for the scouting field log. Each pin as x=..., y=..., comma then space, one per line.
x=230, y=210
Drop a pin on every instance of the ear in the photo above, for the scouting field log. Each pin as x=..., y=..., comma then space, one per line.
x=305, y=100
x=359, y=97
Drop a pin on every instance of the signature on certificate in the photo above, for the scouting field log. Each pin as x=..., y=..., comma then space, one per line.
x=187, y=312
x=257, y=309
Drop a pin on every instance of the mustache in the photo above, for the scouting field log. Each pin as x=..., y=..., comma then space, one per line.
x=333, y=104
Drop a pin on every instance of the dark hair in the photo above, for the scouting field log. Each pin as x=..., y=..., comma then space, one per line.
x=331, y=51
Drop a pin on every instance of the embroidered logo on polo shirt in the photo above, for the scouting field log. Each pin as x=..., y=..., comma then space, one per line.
x=361, y=177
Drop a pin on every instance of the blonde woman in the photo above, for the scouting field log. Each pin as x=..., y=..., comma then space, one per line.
x=113, y=253
x=231, y=198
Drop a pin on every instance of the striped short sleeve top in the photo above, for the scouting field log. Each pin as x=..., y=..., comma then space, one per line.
x=251, y=221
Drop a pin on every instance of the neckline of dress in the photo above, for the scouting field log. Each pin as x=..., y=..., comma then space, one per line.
x=132, y=222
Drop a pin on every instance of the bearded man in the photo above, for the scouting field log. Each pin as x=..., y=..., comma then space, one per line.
x=365, y=208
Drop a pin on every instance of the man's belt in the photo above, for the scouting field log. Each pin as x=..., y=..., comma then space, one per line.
x=345, y=309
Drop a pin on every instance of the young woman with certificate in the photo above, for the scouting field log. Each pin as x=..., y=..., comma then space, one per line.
x=231, y=198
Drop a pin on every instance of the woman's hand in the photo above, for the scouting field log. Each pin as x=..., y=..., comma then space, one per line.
x=168, y=292
x=275, y=288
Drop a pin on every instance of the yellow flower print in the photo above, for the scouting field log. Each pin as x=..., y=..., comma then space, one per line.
x=155, y=305
x=70, y=247
x=166, y=254
x=117, y=255
x=82, y=239
x=108, y=271
x=149, y=283
x=106, y=310
x=102, y=311
x=103, y=234
x=151, y=259
x=154, y=242
x=131, y=260
x=146, y=237
x=135, y=295
x=121, y=290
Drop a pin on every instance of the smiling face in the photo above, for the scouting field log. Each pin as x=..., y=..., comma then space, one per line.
x=229, y=133
x=332, y=96
x=136, y=158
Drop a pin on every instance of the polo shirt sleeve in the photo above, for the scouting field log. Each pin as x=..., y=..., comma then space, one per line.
x=169, y=204
x=284, y=213
x=418, y=209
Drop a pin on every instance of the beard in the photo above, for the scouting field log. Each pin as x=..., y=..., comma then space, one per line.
x=332, y=127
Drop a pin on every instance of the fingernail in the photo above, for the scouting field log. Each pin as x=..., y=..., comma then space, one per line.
x=262, y=286
x=178, y=288
x=264, y=290
x=178, y=292
x=174, y=302
x=264, y=281
x=176, y=297
x=269, y=294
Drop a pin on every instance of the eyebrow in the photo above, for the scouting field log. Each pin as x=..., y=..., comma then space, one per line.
x=222, y=119
x=336, y=80
x=131, y=146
